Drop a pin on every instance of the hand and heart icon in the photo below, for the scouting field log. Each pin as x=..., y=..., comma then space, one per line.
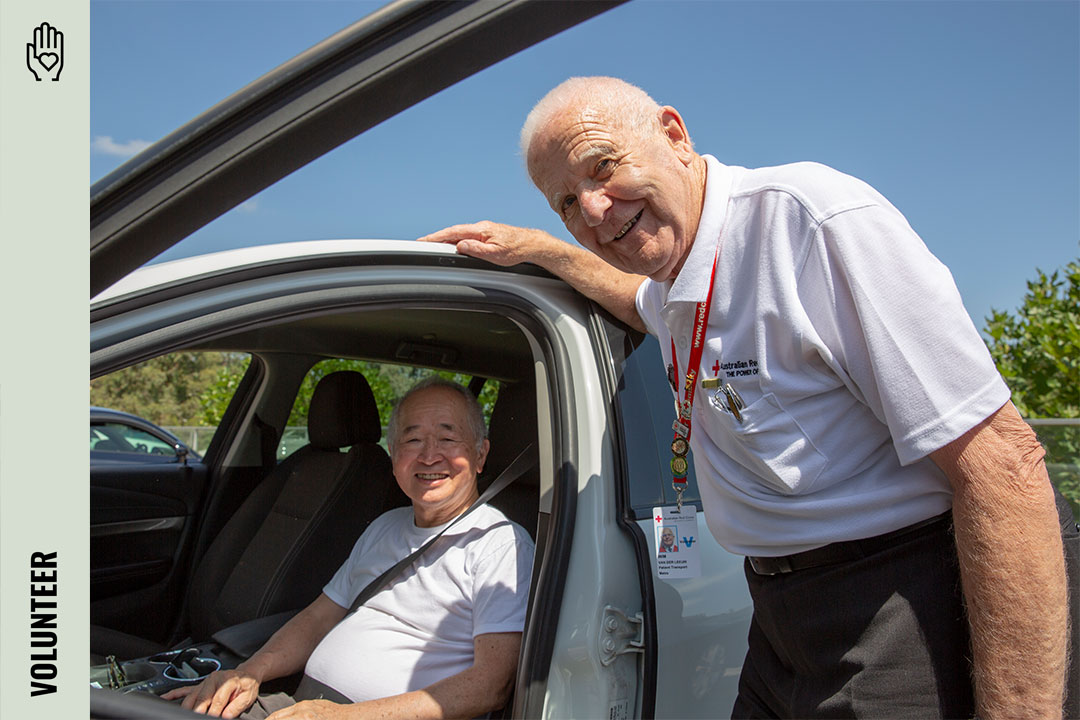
x=45, y=55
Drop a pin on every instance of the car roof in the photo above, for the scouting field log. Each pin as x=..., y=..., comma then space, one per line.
x=494, y=348
x=98, y=412
x=103, y=413
x=196, y=266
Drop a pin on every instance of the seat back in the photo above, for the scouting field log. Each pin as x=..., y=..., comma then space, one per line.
x=512, y=427
x=296, y=528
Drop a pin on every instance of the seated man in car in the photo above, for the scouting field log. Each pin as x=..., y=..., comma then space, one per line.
x=441, y=640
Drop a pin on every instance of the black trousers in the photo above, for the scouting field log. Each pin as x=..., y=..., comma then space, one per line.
x=882, y=636
x=879, y=636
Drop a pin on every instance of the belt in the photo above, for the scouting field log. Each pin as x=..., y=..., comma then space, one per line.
x=839, y=552
x=312, y=689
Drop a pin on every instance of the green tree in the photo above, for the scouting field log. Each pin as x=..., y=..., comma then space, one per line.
x=1037, y=351
x=388, y=383
x=186, y=389
x=167, y=390
x=216, y=396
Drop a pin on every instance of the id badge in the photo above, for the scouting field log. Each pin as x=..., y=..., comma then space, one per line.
x=678, y=554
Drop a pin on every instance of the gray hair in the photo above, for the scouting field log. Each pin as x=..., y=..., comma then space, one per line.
x=620, y=101
x=474, y=414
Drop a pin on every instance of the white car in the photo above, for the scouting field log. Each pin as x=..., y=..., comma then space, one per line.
x=605, y=636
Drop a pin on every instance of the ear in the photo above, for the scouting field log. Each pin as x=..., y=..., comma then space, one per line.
x=481, y=457
x=674, y=129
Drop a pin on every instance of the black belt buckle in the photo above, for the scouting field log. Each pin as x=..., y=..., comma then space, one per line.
x=770, y=565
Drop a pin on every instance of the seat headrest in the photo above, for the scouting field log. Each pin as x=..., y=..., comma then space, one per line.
x=343, y=412
x=512, y=427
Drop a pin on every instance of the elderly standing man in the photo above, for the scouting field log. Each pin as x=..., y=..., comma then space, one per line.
x=868, y=462
x=442, y=639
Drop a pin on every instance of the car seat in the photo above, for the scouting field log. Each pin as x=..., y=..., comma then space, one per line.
x=512, y=427
x=296, y=527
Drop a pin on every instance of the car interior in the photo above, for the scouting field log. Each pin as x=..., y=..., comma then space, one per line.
x=265, y=534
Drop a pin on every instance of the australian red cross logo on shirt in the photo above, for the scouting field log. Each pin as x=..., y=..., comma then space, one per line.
x=736, y=368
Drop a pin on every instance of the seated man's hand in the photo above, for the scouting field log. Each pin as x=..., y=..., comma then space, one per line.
x=315, y=710
x=224, y=693
x=497, y=243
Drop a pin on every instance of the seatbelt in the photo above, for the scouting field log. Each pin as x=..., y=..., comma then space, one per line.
x=311, y=689
x=476, y=385
x=268, y=443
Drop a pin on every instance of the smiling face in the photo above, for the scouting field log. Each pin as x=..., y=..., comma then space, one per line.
x=633, y=198
x=435, y=455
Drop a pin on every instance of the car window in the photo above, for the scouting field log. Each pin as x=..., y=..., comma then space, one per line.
x=388, y=382
x=184, y=393
x=700, y=621
x=118, y=437
x=647, y=413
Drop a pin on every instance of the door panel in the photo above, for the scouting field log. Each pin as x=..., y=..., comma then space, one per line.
x=141, y=522
x=601, y=645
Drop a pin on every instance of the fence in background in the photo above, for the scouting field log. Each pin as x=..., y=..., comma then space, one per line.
x=198, y=438
x=1060, y=436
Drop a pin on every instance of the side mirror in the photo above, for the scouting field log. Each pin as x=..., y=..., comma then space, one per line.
x=181, y=453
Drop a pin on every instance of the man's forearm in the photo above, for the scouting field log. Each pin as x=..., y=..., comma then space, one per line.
x=613, y=289
x=1012, y=569
x=585, y=272
x=276, y=659
x=288, y=649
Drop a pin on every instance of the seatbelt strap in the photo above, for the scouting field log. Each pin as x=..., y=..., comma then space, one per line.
x=268, y=443
x=512, y=472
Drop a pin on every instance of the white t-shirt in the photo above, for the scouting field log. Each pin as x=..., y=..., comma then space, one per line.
x=847, y=341
x=420, y=628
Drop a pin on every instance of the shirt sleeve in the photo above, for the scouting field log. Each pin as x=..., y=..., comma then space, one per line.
x=648, y=303
x=892, y=315
x=501, y=580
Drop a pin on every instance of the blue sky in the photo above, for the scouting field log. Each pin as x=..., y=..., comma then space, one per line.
x=966, y=115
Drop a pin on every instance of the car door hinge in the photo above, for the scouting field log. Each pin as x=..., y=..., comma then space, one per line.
x=619, y=634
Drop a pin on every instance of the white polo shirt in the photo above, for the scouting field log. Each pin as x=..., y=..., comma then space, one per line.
x=847, y=341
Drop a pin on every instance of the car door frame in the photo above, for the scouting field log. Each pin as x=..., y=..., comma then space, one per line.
x=377, y=67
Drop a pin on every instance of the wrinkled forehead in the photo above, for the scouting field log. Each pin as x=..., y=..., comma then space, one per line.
x=434, y=406
x=568, y=131
x=567, y=144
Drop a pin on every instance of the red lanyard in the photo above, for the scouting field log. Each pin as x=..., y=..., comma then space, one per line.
x=681, y=443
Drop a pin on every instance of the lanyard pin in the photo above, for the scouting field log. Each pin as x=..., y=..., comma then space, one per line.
x=734, y=401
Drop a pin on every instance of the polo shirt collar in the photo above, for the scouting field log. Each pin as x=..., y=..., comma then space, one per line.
x=692, y=282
